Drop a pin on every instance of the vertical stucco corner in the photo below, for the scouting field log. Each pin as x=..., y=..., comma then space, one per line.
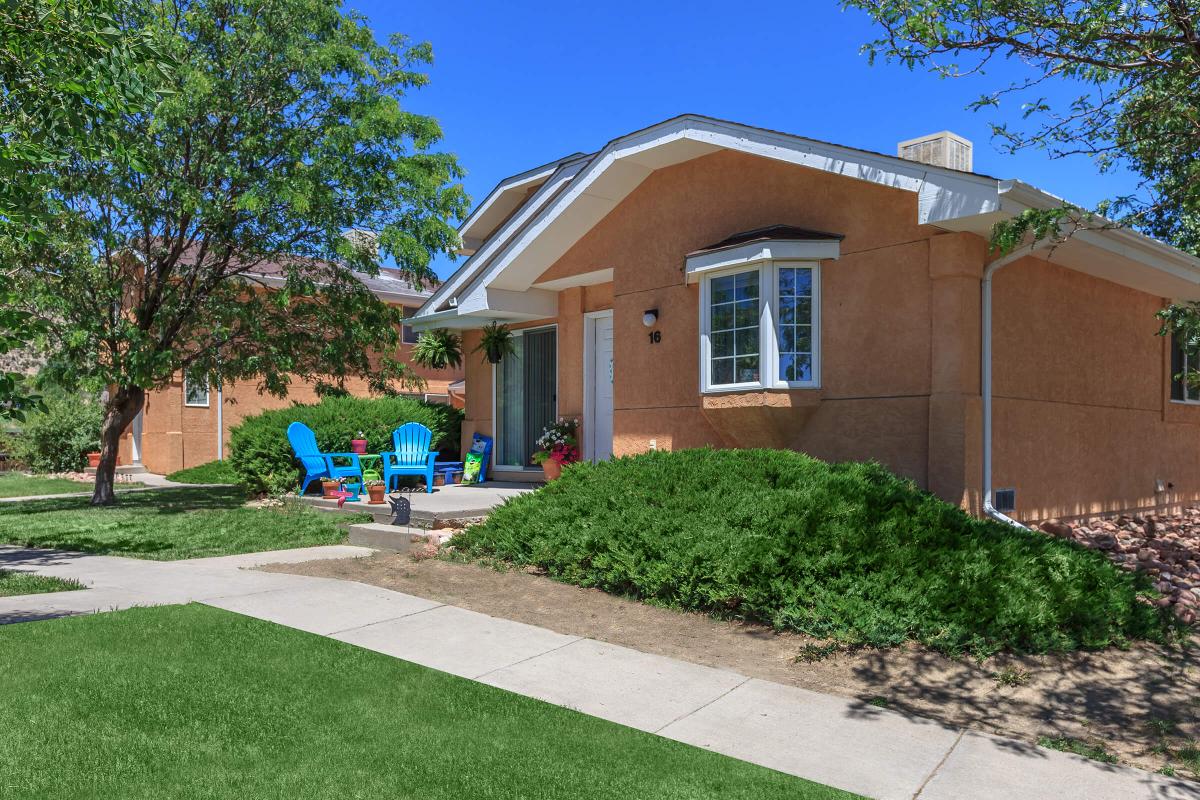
x=956, y=262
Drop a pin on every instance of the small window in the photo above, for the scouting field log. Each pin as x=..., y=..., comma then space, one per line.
x=409, y=335
x=1184, y=363
x=195, y=393
x=795, y=324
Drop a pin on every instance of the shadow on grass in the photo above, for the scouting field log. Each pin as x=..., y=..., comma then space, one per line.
x=165, y=501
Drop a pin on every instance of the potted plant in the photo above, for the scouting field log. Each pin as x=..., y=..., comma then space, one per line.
x=359, y=445
x=497, y=342
x=93, y=459
x=375, y=492
x=438, y=349
x=558, y=446
x=329, y=487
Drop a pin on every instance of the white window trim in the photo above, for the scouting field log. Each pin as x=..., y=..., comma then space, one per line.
x=768, y=340
x=207, y=395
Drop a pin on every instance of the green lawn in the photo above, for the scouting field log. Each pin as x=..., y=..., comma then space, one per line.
x=18, y=484
x=13, y=583
x=193, y=702
x=168, y=524
x=212, y=472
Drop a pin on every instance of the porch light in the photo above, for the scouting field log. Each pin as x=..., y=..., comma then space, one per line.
x=650, y=317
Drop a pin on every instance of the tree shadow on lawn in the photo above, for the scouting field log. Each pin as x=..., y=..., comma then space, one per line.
x=163, y=501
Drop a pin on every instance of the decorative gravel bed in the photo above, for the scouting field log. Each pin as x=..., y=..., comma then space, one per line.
x=1165, y=546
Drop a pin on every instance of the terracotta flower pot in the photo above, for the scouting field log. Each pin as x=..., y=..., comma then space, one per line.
x=358, y=446
x=376, y=495
x=329, y=488
x=93, y=460
x=552, y=469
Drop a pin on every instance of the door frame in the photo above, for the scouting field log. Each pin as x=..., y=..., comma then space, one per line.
x=589, y=356
x=494, y=466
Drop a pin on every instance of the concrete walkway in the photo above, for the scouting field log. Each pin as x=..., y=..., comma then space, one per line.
x=831, y=740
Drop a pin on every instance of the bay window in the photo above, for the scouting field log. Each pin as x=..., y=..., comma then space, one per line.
x=760, y=327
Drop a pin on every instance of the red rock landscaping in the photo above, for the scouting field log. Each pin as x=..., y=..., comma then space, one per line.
x=1165, y=546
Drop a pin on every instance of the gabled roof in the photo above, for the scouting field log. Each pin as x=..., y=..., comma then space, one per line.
x=565, y=199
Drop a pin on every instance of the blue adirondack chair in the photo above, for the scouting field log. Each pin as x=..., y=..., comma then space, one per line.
x=317, y=464
x=412, y=455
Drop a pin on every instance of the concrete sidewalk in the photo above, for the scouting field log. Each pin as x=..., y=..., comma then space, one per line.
x=831, y=740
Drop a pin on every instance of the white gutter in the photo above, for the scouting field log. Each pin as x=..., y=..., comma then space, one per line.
x=986, y=372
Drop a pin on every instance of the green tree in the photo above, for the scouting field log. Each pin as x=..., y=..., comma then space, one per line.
x=67, y=74
x=219, y=248
x=1135, y=68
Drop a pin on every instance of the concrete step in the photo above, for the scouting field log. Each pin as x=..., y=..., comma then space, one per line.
x=128, y=469
x=381, y=536
x=399, y=508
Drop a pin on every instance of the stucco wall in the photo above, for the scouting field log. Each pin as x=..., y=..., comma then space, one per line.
x=1083, y=420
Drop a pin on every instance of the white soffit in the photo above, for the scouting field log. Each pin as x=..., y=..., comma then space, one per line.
x=777, y=249
x=583, y=279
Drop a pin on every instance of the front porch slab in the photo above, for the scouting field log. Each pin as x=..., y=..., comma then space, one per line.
x=445, y=506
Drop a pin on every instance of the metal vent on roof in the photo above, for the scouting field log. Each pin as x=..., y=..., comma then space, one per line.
x=1005, y=500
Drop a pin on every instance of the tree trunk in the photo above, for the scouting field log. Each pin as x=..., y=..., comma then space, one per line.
x=123, y=405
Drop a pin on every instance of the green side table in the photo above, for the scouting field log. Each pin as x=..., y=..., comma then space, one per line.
x=370, y=467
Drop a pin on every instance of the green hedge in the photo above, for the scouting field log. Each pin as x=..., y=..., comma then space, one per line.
x=262, y=458
x=208, y=472
x=59, y=438
x=846, y=552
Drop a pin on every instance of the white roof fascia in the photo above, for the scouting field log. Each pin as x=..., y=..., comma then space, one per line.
x=1017, y=196
x=618, y=168
x=470, y=268
x=519, y=181
x=772, y=249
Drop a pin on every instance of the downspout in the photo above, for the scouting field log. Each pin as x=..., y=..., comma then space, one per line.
x=986, y=372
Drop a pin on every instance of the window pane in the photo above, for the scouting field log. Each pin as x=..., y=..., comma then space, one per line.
x=787, y=281
x=804, y=282
x=803, y=368
x=747, y=285
x=722, y=344
x=747, y=341
x=722, y=289
x=747, y=313
x=721, y=318
x=794, y=330
x=722, y=370
x=747, y=369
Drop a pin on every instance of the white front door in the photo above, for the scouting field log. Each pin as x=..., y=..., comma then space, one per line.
x=599, y=422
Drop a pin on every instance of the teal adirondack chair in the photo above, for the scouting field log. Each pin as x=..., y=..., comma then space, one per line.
x=317, y=464
x=412, y=455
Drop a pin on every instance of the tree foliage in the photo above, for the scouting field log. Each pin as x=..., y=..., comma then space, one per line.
x=217, y=246
x=1136, y=67
x=67, y=75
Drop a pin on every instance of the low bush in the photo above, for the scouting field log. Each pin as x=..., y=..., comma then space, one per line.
x=210, y=472
x=844, y=552
x=59, y=438
x=262, y=458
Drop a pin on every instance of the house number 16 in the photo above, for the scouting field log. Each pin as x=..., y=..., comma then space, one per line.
x=655, y=337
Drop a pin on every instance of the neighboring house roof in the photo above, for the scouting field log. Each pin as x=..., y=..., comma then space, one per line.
x=389, y=285
x=537, y=216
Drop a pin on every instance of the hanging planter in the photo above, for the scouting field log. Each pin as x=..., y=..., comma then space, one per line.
x=438, y=349
x=496, y=343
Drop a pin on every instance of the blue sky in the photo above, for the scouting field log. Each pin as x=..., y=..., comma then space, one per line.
x=520, y=83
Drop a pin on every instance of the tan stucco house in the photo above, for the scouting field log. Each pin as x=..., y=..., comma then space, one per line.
x=185, y=424
x=701, y=282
